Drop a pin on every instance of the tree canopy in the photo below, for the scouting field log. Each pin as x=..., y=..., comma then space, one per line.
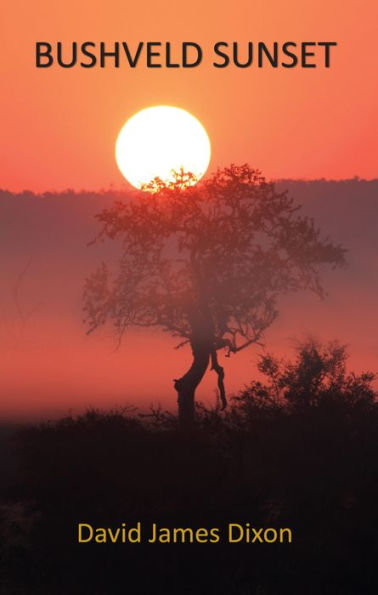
x=206, y=263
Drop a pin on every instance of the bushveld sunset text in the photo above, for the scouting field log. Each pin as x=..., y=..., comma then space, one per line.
x=188, y=54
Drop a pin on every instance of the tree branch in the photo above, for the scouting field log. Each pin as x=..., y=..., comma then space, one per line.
x=220, y=371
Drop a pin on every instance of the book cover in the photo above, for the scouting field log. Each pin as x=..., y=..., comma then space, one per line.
x=188, y=239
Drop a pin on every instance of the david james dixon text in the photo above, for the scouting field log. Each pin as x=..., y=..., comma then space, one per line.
x=187, y=54
x=137, y=533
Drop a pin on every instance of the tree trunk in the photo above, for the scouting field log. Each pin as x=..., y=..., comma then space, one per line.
x=186, y=386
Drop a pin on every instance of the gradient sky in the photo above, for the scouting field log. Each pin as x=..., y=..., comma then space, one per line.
x=59, y=126
x=58, y=131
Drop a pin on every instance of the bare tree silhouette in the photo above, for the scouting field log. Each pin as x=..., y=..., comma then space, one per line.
x=206, y=263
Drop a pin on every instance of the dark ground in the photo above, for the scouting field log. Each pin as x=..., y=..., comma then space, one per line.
x=308, y=462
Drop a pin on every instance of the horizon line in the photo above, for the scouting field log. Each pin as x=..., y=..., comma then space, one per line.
x=126, y=188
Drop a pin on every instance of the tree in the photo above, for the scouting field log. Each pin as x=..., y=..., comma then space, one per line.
x=206, y=263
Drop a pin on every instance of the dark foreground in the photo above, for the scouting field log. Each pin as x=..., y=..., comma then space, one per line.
x=299, y=451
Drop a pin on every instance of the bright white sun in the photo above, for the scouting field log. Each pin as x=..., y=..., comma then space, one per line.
x=160, y=139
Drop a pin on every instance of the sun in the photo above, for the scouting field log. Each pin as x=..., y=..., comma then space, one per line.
x=160, y=140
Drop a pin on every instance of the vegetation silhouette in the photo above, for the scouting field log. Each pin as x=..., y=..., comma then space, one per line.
x=296, y=449
x=206, y=263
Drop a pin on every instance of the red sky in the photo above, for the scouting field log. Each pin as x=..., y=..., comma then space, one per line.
x=59, y=126
x=58, y=131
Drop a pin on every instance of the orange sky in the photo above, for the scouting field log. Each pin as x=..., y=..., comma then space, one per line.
x=59, y=126
x=58, y=131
